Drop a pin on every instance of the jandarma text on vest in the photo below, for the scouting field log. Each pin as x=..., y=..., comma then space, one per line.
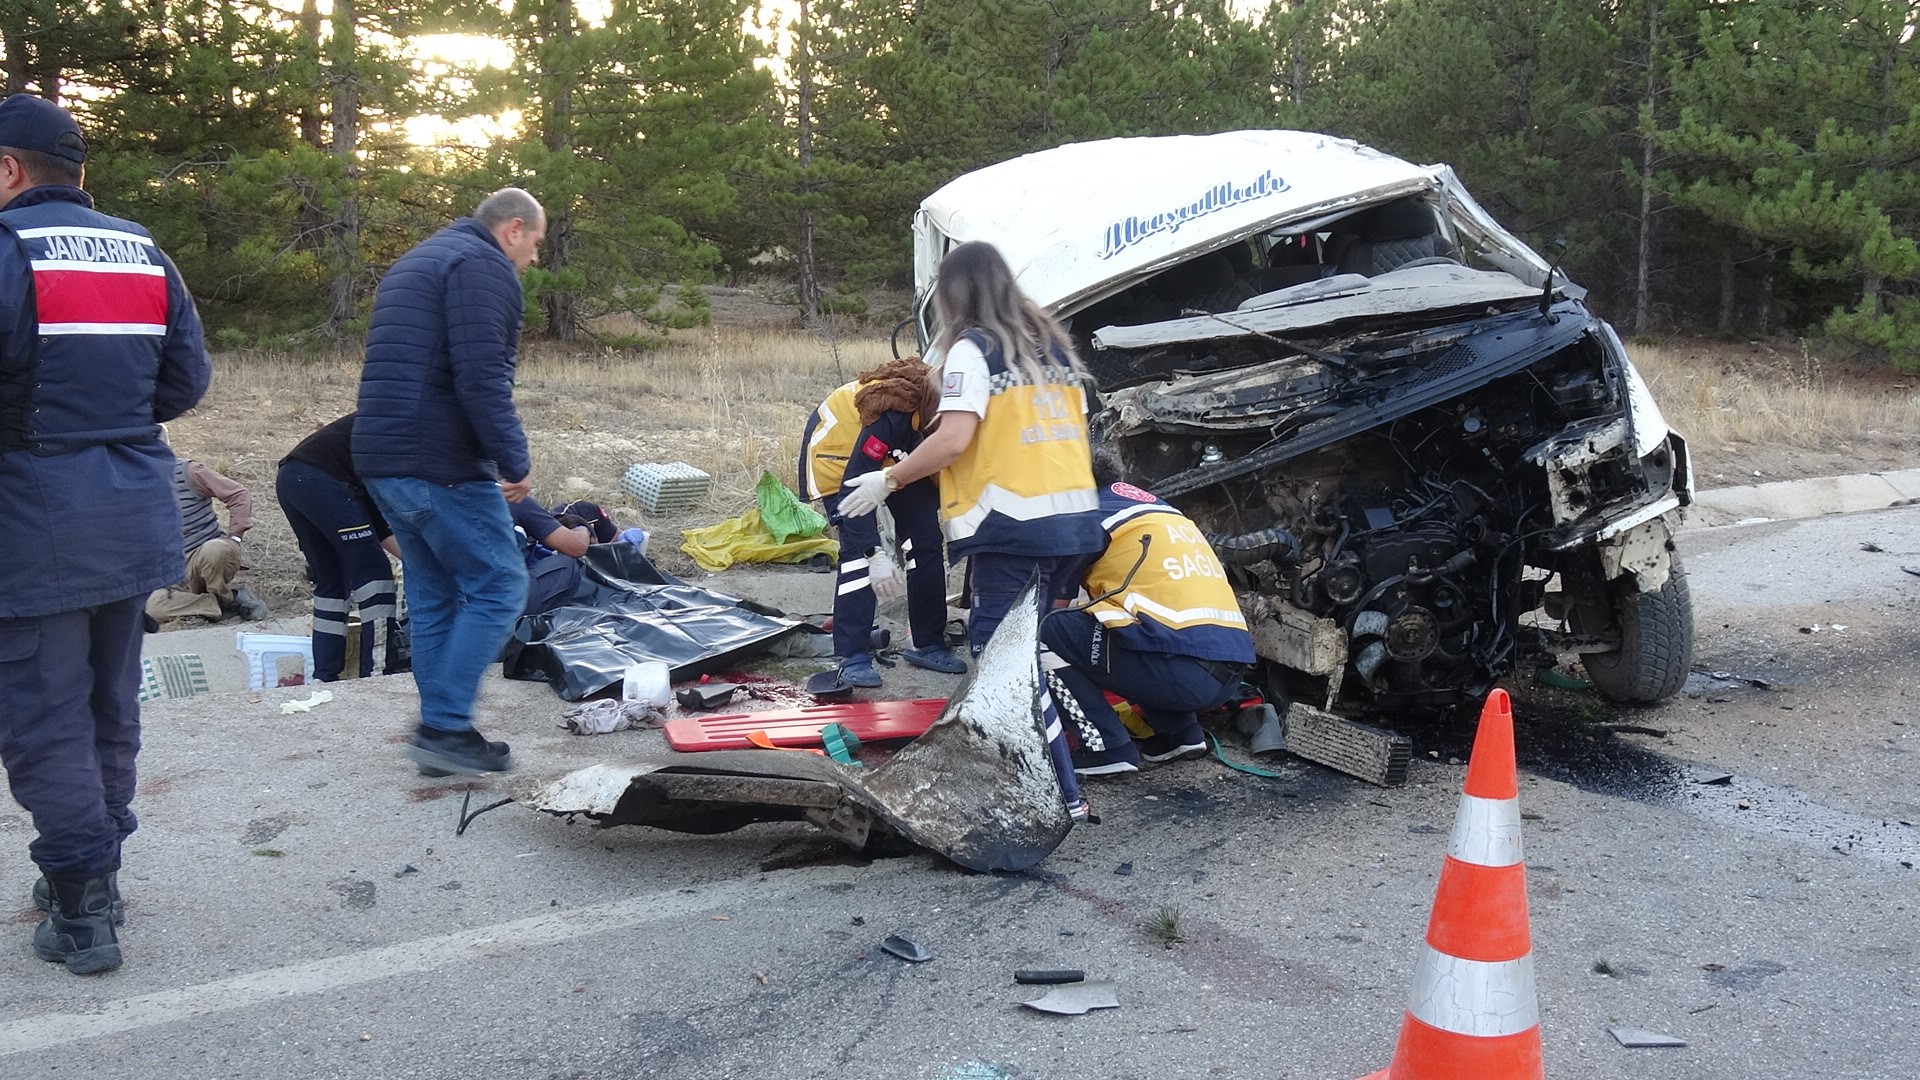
x=70, y=247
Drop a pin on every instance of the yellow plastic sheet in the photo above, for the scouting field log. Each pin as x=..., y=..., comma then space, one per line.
x=746, y=539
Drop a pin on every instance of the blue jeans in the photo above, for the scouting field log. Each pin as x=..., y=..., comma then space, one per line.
x=466, y=585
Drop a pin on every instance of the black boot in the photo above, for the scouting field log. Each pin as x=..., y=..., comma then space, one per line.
x=43, y=897
x=79, y=930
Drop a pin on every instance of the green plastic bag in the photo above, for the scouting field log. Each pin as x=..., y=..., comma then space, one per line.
x=782, y=512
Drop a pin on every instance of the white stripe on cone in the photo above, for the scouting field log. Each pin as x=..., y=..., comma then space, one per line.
x=1486, y=832
x=1475, y=997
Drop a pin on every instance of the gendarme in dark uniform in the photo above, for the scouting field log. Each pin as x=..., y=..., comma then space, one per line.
x=99, y=343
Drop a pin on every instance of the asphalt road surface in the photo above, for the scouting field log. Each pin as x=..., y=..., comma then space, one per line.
x=1735, y=868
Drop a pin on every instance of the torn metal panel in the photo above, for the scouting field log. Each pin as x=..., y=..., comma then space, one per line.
x=1321, y=303
x=1643, y=551
x=978, y=787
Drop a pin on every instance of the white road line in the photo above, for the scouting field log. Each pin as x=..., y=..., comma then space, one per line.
x=257, y=988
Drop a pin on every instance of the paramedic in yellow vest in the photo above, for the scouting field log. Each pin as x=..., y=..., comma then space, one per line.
x=859, y=429
x=1168, y=637
x=1009, y=445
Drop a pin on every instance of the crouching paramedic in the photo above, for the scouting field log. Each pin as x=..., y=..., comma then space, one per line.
x=99, y=342
x=860, y=428
x=1166, y=633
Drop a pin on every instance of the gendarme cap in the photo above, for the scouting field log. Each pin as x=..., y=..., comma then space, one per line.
x=34, y=123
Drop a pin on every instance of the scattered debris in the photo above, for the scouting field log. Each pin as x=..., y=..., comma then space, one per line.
x=1076, y=999
x=306, y=704
x=1164, y=926
x=1636, y=1038
x=405, y=870
x=1605, y=967
x=1722, y=780
x=1556, y=678
x=1871, y=546
x=1261, y=724
x=906, y=949
x=1238, y=766
x=1912, y=570
x=268, y=852
x=609, y=715
x=707, y=697
x=721, y=918
x=1373, y=754
x=1048, y=976
x=1125, y=869
x=761, y=978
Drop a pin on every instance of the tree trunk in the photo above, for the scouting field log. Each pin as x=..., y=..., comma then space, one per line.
x=346, y=140
x=15, y=37
x=1295, y=59
x=563, y=317
x=311, y=132
x=1726, y=284
x=808, y=267
x=1643, y=264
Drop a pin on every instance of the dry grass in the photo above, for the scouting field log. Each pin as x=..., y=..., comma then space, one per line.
x=1781, y=411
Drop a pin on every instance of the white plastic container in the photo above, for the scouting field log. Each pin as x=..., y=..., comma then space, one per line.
x=275, y=659
x=647, y=683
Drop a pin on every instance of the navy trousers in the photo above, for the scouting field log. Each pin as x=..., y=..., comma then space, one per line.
x=1168, y=689
x=998, y=581
x=333, y=521
x=916, y=517
x=70, y=729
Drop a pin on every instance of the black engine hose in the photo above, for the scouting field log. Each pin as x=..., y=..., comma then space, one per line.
x=1246, y=549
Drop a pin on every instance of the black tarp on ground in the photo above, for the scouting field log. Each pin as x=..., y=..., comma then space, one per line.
x=626, y=611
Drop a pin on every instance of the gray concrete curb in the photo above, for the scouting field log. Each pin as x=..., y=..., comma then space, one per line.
x=1786, y=500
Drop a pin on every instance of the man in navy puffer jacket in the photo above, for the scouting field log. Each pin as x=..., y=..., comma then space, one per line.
x=438, y=444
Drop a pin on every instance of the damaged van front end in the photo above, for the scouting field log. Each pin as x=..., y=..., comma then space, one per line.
x=1422, y=458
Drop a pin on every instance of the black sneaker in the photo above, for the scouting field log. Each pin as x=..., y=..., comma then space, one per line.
x=1163, y=748
x=1106, y=762
x=457, y=753
x=43, y=897
x=498, y=748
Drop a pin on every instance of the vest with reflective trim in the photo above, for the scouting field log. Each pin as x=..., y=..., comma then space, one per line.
x=1179, y=600
x=1024, y=486
x=99, y=295
x=836, y=423
x=198, y=523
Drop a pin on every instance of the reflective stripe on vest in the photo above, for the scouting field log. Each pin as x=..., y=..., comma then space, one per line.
x=198, y=523
x=836, y=425
x=1180, y=584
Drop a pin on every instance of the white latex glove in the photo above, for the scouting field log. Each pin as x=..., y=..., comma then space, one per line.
x=885, y=577
x=863, y=494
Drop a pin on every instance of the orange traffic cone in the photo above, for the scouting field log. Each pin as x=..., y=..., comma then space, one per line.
x=1474, y=1014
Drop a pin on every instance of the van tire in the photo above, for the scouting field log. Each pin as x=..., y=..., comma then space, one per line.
x=1656, y=643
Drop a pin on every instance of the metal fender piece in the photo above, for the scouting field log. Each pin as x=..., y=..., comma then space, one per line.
x=978, y=787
